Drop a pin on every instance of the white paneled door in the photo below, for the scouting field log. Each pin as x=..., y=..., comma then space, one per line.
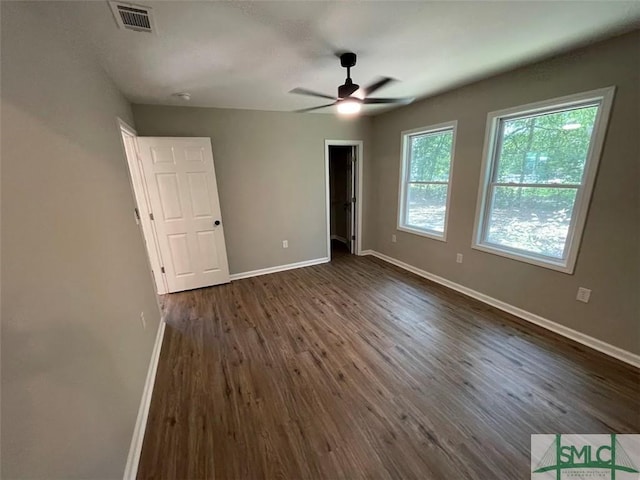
x=185, y=210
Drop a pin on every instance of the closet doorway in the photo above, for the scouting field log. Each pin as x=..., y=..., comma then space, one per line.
x=344, y=165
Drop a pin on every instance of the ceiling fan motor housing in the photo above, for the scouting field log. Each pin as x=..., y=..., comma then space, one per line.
x=347, y=89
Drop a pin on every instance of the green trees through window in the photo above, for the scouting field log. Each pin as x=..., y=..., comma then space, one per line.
x=537, y=176
x=431, y=157
x=427, y=157
x=539, y=169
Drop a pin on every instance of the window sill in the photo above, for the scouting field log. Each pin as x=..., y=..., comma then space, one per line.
x=559, y=266
x=424, y=233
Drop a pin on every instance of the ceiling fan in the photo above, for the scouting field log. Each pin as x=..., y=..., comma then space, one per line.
x=346, y=101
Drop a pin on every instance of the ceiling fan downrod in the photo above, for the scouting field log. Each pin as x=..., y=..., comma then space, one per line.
x=347, y=60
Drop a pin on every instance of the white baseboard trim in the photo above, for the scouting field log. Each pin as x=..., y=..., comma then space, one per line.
x=278, y=268
x=606, y=348
x=339, y=238
x=131, y=469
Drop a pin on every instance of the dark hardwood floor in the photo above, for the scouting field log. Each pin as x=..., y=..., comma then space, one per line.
x=357, y=369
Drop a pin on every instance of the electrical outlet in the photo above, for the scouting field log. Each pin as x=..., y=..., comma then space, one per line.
x=459, y=258
x=393, y=238
x=285, y=243
x=583, y=295
x=143, y=321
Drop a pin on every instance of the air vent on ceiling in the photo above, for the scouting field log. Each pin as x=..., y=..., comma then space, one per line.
x=133, y=17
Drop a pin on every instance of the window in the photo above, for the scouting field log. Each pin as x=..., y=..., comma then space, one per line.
x=538, y=171
x=425, y=178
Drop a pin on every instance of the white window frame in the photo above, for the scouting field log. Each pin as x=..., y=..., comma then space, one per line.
x=604, y=97
x=405, y=137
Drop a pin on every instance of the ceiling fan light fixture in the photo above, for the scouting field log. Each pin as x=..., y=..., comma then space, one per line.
x=349, y=106
x=351, y=97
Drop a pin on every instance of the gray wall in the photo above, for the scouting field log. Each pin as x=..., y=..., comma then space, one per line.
x=74, y=271
x=609, y=258
x=270, y=172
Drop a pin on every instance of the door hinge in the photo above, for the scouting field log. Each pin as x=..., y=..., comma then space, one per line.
x=353, y=199
x=151, y=216
x=137, y=213
x=353, y=237
x=162, y=269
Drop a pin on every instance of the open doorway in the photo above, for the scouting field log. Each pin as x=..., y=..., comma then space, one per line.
x=343, y=168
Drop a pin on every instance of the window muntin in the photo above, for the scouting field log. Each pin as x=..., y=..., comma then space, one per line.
x=425, y=184
x=538, y=175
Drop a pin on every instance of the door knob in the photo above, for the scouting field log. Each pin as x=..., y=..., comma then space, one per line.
x=216, y=223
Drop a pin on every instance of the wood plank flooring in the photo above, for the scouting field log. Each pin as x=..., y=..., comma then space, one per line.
x=357, y=369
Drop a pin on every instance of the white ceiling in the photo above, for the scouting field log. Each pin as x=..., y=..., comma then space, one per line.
x=250, y=54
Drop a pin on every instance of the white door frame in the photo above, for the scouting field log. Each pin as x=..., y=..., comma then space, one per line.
x=358, y=174
x=141, y=197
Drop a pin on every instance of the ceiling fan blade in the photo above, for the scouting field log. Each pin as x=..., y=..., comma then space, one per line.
x=304, y=91
x=314, y=108
x=381, y=82
x=399, y=101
